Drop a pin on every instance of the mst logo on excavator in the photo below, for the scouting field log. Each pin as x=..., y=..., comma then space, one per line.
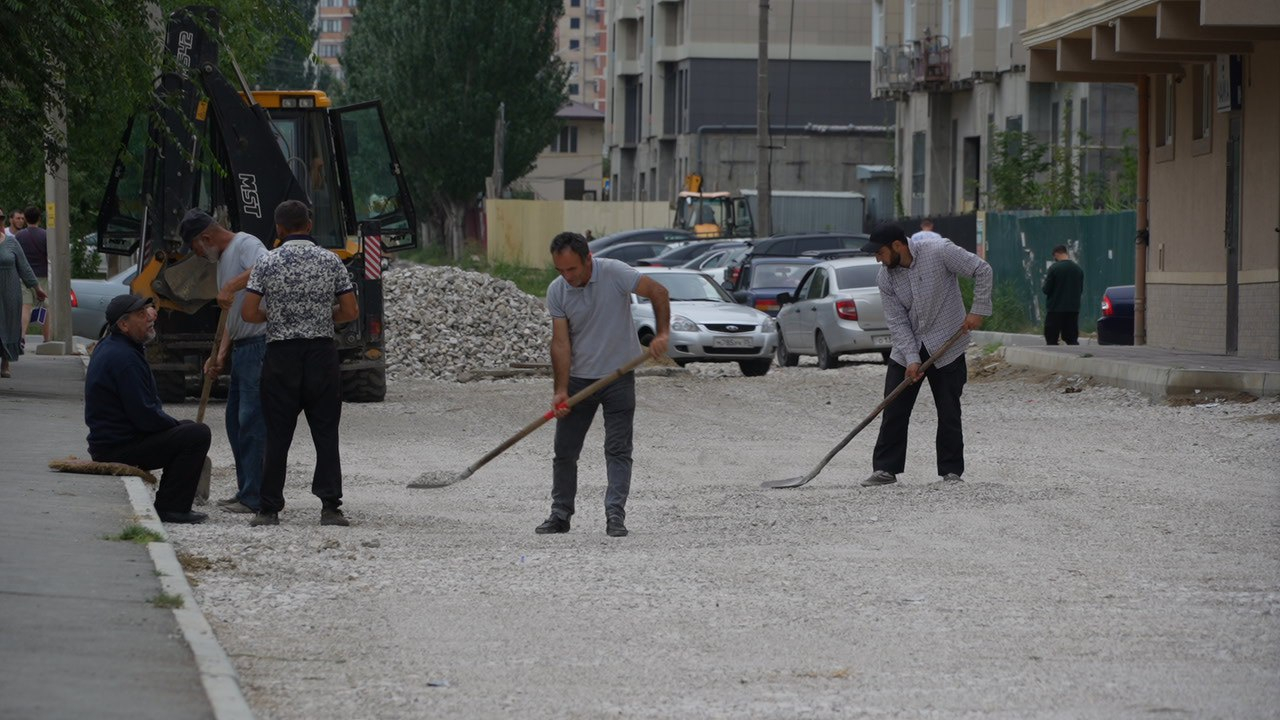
x=250, y=203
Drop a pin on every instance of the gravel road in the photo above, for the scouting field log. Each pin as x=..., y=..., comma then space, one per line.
x=1105, y=557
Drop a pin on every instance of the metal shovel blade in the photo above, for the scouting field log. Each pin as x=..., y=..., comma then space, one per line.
x=794, y=482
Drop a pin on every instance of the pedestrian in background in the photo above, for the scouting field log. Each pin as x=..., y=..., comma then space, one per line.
x=293, y=289
x=920, y=292
x=16, y=279
x=35, y=243
x=926, y=230
x=591, y=336
x=15, y=221
x=128, y=424
x=242, y=348
x=1063, y=284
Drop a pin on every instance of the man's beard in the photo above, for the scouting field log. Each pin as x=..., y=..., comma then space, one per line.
x=151, y=335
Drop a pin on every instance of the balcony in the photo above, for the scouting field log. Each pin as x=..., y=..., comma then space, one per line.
x=921, y=65
x=892, y=68
x=931, y=62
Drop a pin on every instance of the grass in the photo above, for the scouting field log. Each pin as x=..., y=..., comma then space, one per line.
x=990, y=348
x=138, y=534
x=1008, y=311
x=167, y=601
x=533, y=281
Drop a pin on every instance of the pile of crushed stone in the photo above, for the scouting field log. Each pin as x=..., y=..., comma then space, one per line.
x=443, y=322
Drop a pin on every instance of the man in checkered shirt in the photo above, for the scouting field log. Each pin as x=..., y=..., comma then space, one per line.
x=922, y=304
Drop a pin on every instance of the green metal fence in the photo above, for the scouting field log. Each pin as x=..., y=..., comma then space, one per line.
x=1020, y=249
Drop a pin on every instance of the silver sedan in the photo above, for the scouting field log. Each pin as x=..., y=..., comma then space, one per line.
x=89, y=300
x=706, y=324
x=834, y=311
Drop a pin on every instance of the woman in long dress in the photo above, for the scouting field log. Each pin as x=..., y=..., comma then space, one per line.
x=15, y=272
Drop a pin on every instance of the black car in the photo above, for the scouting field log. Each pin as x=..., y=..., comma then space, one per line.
x=630, y=253
x=1115, y=327
x=796, y=245
x=679, y=255
x=661, y=235
x=767, y=277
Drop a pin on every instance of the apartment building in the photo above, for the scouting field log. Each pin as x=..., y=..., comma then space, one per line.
x=332, y=25
x=957, y=71
x=682, y=96
x=1206, y=72
x=582, y=38
x=571, y=168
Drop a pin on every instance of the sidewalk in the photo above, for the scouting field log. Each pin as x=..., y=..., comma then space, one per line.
x=81, y=638
x=1156, y=372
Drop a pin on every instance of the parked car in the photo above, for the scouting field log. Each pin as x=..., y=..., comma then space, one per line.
x=835, y=310
x=793, y=245
x=764, y=278
x=1115, y=327
x=631, y=253
x=89, y=300
x=706, y=324
x=714, y=263
x=662, y=235
x=677, y=255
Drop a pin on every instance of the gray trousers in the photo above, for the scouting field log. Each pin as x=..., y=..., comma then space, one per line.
x=619, y=402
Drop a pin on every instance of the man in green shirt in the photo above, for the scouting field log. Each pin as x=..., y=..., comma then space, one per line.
x=1063, y=284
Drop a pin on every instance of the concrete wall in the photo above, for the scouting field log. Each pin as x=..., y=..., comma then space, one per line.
x=520, y=231
x=1187, y=261
x=808, y=162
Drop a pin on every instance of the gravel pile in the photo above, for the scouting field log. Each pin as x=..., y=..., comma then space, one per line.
x=444, y=322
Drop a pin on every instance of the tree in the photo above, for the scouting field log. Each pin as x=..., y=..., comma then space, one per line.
x=97, y=59
x=441, y=68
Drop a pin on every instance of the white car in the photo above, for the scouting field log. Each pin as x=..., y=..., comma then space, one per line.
x=834, y=311
x=706, y=324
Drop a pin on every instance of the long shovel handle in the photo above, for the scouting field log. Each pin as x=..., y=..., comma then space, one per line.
x=577, y=397
x=208, y=381
x=902, y=386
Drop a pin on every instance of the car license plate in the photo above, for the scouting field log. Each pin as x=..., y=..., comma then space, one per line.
x=881, y=340
x=731, y=342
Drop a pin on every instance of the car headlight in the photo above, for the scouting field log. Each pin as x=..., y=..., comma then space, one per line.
x=683, y=324
x=769, y=325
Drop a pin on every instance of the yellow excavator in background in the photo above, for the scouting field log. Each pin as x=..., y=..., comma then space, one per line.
x=712, y=215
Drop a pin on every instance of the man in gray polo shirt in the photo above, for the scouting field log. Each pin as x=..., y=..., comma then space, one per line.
x=591, y=336
x=244, y=344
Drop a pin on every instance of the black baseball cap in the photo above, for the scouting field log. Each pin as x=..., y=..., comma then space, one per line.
x=122, y=305
x=193, y=223
x=883, y=236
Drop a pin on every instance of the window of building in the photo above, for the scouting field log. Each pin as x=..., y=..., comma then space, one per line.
x=574, y=44
x=573, y=88
x=573, y=69
x=966, y=18
x=909, y=21
x=1202, y=108
x=575, y=23
x=917, y=173
x=575, y=3
x=1162, y=106
x=566, y=141
x=1004, y=13
x=1055, y=124
x=331, y=26
x=877, y=23
x=329, y=50
x=352, y=3
x=946, y=26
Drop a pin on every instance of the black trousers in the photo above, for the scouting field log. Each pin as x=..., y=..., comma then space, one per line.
x=301, y=376
x=1066, y=324
x=180, y=450
x=947, y=384
x=618, y=399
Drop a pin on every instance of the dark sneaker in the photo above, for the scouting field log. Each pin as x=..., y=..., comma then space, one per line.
x=880, y=477
x=553, y=525
x=236, y=507
x=333, y=516
x=189, y=517
x=951, y=478
x=260, y=519
x=233, y=500
x=614, y=527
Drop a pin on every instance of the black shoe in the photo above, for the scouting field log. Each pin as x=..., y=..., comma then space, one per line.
x=553, y=524
x=264, y=518
x=333, y=516
x=614, y=527
x=189, y=517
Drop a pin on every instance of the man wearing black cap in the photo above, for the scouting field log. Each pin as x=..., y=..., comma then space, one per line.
x=127, y=423
x=243, y=346
x=923, y=307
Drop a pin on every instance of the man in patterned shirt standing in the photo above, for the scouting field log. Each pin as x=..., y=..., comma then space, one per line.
x=922, y=304
x=293, y=289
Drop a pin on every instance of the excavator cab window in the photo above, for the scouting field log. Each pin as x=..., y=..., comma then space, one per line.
x=303, y=137
x=376, y=189
x=122, y=205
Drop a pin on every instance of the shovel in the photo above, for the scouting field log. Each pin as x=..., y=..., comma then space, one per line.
x=202, y=487
x=796, y=482
x=439, y=480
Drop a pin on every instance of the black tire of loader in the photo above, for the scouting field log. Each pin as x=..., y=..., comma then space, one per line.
x=365, y=385
x=171, y=386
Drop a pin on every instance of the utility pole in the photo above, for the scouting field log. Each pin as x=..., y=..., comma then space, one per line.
x=499, y=140
x=764, y=153
x=58, y=227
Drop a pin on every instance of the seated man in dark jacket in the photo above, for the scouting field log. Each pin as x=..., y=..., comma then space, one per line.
x=126, y=422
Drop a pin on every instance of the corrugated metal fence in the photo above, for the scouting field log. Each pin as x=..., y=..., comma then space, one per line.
x=1020, y=249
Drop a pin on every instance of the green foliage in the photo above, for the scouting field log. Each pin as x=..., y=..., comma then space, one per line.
x=168, y=601
x=1008, y=310
x=441, y=69
x=108, y=54
x=85, y=260
x=286, y=68
x=138, y=534
x=1019, y=160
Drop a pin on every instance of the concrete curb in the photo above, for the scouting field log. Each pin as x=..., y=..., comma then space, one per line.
x=216, y=671
x=1152, y=380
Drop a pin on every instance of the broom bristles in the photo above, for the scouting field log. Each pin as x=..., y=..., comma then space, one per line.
x=73, y=464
